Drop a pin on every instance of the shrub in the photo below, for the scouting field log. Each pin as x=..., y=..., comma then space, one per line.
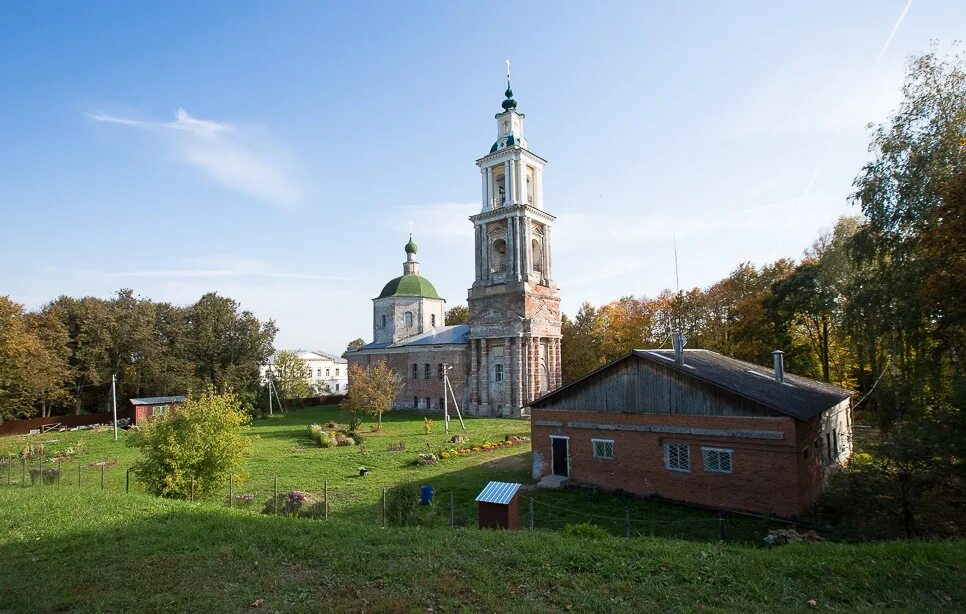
x=586, y=530
x=202, y=440
x=399, y=446
x=357, y=437
x=427, y=425
x=426, y=459
x=294, y=501
x=347, y=441
x=402, y=504
x=355, y=423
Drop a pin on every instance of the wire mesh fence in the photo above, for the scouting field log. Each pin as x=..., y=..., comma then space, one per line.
x=405, y=504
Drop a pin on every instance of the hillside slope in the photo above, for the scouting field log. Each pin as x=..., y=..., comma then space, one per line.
x=73, y=550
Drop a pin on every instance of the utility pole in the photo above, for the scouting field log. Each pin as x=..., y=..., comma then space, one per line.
x=268, y=380
x=114, y=402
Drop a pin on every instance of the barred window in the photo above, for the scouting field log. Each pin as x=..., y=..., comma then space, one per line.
x=677, y=457
x=717, y=460
x=427, y=371
x=497, y=372
x=415, y=371
x=603, y=448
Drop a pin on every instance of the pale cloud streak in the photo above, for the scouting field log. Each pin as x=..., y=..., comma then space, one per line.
x=230, y=155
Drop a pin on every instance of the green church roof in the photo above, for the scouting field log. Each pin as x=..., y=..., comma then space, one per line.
x=409, y=285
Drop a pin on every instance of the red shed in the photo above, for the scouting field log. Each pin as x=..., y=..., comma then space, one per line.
x=147, y=408
x=498, y=507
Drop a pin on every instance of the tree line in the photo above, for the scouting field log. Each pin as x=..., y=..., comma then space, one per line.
x=61, y=357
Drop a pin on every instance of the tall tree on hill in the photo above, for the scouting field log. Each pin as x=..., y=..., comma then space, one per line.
x=226, y=345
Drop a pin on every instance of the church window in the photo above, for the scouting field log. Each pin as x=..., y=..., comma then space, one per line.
x=497, y=372
x=415, y=402
x=408, y=317
x=427, y=371
x=428, y=403
x=432, y=319
x=415, y=371
x=537, y=253
x=327, y=373
x=384, y=320
x=337, y=373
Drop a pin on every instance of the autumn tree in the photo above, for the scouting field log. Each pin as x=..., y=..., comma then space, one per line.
x=372, y=390
x=355, y=344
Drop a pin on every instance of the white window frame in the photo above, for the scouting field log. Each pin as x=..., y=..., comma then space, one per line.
x=158, y=410
x=731, y=459
x=667, y=456
x=593, y=444
x=498, y=374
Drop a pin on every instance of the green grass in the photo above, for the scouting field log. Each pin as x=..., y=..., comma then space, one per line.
x=282, y=449
x=80, y=550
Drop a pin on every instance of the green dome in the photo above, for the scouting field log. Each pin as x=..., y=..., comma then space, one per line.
x=409, y=285
x=410, y=247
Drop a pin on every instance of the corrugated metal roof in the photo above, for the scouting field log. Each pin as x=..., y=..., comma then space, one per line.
x=498, y=492
x=798, y=397
x=157, y=400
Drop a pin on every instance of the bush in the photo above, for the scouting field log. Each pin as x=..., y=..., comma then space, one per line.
x=399, y=446
x=202, y=440
x=358, y=437
x=355, y=423
x=586, y=530
x=402, y=504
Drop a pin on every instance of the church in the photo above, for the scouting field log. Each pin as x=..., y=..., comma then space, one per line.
x=509, y=352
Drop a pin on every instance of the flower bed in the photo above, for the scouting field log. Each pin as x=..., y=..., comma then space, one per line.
x=486, y=446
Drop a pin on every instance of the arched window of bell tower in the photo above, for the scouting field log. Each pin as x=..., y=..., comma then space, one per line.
x=498, y=256
x=537, y=251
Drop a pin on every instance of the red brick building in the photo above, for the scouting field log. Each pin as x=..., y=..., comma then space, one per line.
x=148, y=408
x=695, y=427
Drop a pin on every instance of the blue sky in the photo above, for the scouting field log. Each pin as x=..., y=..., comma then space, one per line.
x=279, y=153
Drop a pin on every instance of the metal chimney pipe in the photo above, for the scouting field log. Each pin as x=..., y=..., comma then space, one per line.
x=677, y=340
x=779, y=357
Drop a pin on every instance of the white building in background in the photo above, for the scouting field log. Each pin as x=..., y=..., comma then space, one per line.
x=324, y=369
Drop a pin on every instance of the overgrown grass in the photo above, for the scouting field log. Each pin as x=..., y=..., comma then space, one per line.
x=79, y=550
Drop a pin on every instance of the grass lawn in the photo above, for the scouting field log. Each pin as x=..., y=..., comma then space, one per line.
x=79, y=550
x=283, y=449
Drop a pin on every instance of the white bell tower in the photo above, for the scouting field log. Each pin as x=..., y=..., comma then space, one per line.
x=514, y=303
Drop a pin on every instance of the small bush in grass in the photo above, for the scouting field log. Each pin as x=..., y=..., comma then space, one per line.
x=427, y=425
x=357, y=437
x=294, y=501
x=48, y=474
x=347, y=441
x=399, y=446
x=402, y=504
x=426, y=459
x=355, y=423
x=585, y=529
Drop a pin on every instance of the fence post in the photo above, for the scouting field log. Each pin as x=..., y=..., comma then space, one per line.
x=80, y=466
x=275, y=499
x=721, y=524
x=627, y=522
x=102, y=477
x=127, y=480
x=23, y=473
x=231, y=490
x=452, y=516
x=384, y=508
x=325, y=495
x=531, y=513
x=40, y=464
x=60, y=467
x=192, y=490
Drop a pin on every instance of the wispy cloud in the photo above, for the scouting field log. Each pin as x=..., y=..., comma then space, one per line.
x=225, y=267
x=444, y=221
x=230, y=155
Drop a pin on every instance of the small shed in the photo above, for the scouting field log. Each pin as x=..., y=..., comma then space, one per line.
x=498, y=505
x=146, y=408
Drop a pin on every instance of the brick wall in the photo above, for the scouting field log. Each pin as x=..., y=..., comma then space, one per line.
x=766, y=476
x=456, y=356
